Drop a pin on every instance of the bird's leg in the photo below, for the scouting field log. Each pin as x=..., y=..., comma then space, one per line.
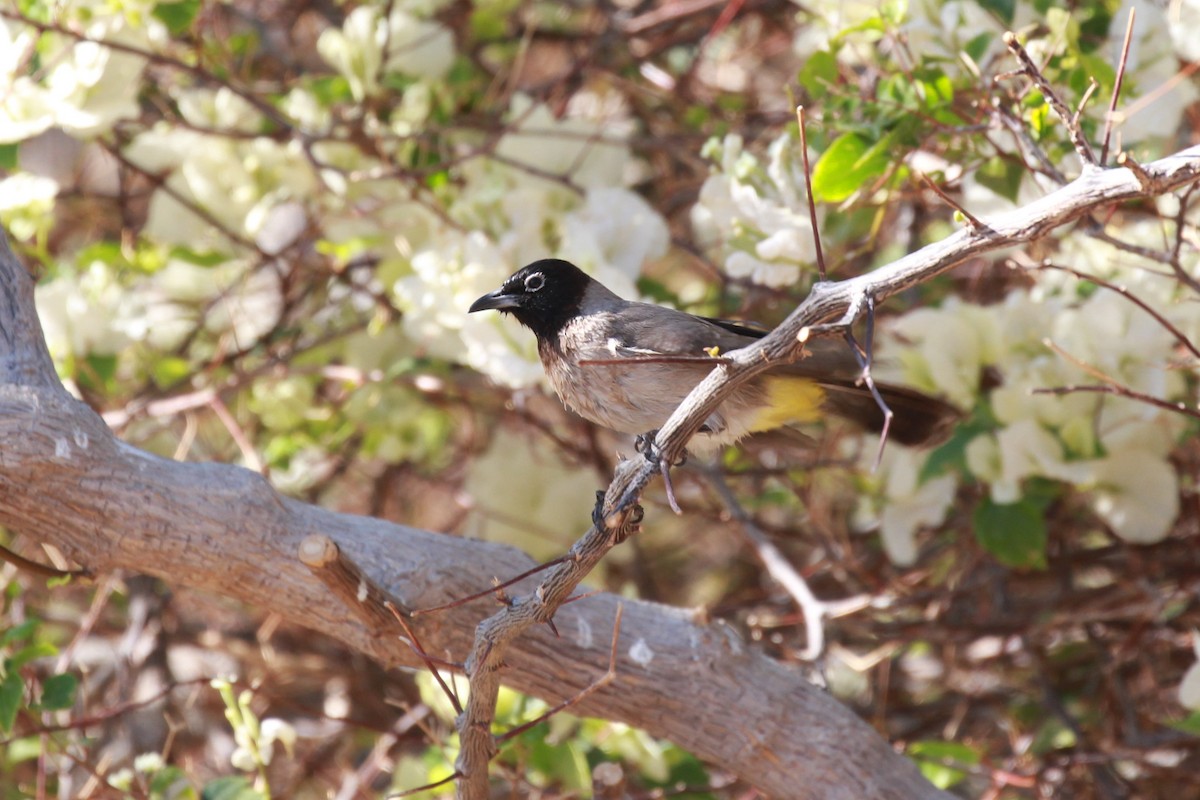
x=865, y=356
x=665, y=469
x=644, y=444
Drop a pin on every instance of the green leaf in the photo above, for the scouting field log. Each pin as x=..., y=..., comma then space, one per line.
x=1002, y=177
x=848, y=164
x=978, y=46
x=19, y=633
x=936, y=760
x=231, y=787
x=58, y=692
x=177, y=15
x=201, y=258
x=171, y=782
x=170, y=370
x=12, y=688
x=1015, y=533
x=96, y=371
x=1189, y=724
x=8, y=156
x=30, y=653
x=819, y=74
x=1006, y=10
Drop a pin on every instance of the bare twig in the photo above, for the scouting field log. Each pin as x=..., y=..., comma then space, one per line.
x=430, y=663
x=778, y=567
x=1087, y=95
x=1123, y=391
x=1130, y=163
x=1112, y=103
x=971, y=219
x=359, y=593
x=1131, y=297
x=604, y=680
x=1060, y=108
x=812, y=203
x=36, y=568
x=461, y=601
x=494, y=634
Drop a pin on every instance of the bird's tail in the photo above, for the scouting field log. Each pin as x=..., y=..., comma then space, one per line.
x=919, y=420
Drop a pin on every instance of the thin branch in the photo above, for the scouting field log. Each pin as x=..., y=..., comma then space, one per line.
x=608, y=677
x=812, y=203
x=1060, y=108
x=1130, y=163
x=778, y=567
x=450, y=692
x=1112, y=103
x=36, y=568
x=971, y=219
x=1122, y=391
x=492, y=590
x=1131, y=297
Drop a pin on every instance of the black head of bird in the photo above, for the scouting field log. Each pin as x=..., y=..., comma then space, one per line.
x=543, y=296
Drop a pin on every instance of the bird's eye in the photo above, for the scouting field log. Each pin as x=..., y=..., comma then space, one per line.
x=534, y=282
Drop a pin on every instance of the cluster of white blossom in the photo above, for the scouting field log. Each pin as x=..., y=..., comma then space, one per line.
x=753, y=216
x=1056, y=334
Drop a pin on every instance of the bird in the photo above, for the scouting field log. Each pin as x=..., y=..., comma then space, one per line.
x=627, y=365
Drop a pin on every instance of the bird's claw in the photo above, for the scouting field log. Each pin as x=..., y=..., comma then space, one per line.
x=636, y=515
x=598, y=510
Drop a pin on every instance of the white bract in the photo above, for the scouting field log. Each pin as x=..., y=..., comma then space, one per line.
x=754, y=217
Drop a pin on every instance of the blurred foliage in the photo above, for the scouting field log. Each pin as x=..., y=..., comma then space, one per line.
x=258, y=227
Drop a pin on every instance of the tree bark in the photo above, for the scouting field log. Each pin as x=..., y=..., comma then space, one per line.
x=65, y=480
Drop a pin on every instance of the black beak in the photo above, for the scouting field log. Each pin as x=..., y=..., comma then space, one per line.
x=497, y=300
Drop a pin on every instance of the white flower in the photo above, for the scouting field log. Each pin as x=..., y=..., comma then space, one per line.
x=906, y=506
x=26, y=203
x=274, y=730
x=615, y=228
x=356, y=50
x=418, y=47
x=1189, y=687
x=945, y=350
x=249, y=309
x=94, y=85
x=579, y=149
x=1182, y=23
x=744, y=265
x=1137, y=495
x=24, y=105
x=756, y=216
x=148, y=763
x=77, y=314
x=220, y=109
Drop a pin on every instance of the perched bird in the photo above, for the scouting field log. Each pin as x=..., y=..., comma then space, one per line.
x=632, y=384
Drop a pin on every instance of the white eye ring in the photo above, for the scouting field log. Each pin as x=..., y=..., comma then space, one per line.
x=534, y=282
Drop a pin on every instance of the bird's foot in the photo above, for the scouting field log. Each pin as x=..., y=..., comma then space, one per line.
x=635, y=517
x=645, y=445
x=598, y=510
